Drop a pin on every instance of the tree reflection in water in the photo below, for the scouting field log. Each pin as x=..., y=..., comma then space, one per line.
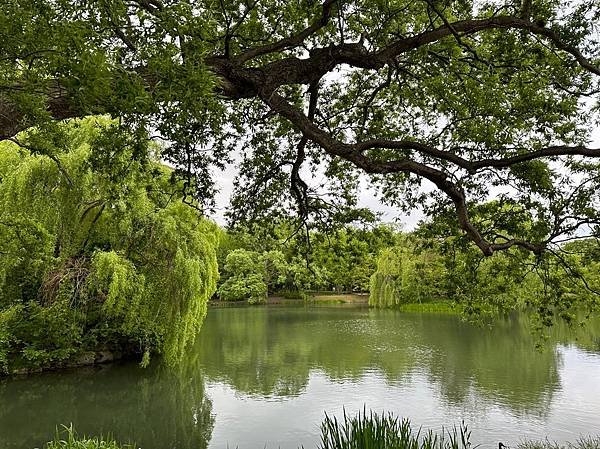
x=152, y=407
x=270, y=352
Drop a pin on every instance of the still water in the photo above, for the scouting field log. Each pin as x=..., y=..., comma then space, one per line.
x=264, y=377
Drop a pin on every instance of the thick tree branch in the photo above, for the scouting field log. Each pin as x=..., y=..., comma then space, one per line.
x=263, y=81
x=298, y=186
x=353, y=154
x=244, y=82
x=474, y=166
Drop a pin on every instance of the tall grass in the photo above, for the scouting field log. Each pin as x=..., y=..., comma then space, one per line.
x=581, y=443
x=68, y=439
x=364, y=431
x=374, y=431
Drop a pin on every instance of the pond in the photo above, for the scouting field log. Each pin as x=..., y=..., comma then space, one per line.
x=264, y=377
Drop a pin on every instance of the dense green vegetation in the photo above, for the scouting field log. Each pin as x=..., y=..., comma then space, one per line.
x=476, y=99
x=274, y=260
x=398, y=268
x=99, y=253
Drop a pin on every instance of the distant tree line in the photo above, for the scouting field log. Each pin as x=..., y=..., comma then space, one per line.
x=256, y=262
x=396, y=267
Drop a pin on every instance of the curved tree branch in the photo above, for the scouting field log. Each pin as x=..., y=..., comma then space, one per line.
x=243, y=82
x=263, y=81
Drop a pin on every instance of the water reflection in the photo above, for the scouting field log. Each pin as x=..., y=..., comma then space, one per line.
x=270, y=352
x=153, y=407
x=267, y=374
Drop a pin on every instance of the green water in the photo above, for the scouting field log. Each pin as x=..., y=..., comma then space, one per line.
x=263, y=377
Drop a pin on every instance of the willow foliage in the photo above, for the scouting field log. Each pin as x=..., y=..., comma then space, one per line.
x=407, y=274
x=104, y=237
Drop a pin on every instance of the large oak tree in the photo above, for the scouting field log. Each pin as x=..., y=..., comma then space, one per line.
x=480, y=98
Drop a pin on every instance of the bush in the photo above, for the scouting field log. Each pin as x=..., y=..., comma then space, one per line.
x=45, y=335
x=246, y=277
x=240, y=288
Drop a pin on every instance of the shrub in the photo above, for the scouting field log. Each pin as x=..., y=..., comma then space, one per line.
x=250, y=287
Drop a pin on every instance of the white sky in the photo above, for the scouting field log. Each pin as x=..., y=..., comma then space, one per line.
x=367, y=197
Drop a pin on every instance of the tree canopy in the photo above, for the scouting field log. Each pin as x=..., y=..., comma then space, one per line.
x=474, y=97
x=87, y=264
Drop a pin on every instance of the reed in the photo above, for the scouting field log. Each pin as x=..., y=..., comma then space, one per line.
x=69, y=439
x=374, y=431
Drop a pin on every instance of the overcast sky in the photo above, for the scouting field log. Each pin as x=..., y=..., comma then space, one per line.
x=368, y=197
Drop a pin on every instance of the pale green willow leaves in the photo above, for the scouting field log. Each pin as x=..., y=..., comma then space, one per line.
x=128, y=264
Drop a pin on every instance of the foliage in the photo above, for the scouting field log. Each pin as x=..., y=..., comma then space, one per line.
x=70, y=440
x=342, y=261
x=245, y=280
x=239, y=288
x=419, y=267
x=92, y=262
x=468, y=96
x=46, y=335
x=386, y=431
x=348, y=257
x=407, y=274
x=557, y=283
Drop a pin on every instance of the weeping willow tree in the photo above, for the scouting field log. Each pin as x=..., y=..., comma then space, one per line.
x=420, y=269
x=97, y=250
x=406, y=274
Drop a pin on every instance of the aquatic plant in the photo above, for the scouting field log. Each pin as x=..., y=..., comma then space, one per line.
x=68, y=439
x=372, y=430
x=363, y=431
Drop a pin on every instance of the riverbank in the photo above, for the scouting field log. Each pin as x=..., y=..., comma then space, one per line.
x=83, y=360
x=357, y=299
x=360, y=299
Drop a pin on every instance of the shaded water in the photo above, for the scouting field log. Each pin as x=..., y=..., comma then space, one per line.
x=263, y=377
